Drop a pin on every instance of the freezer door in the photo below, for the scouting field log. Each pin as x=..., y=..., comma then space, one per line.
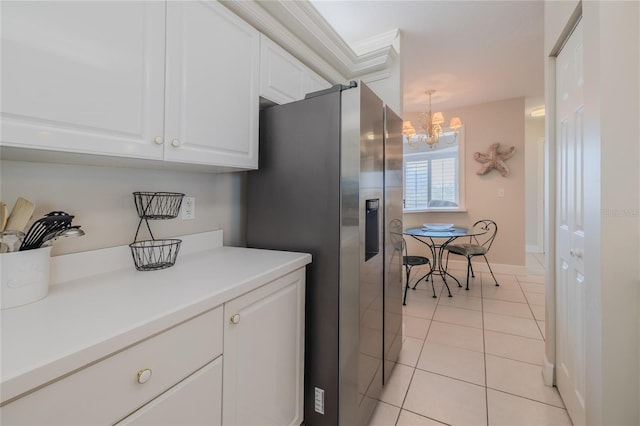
x=392, y=250
x=371, y=252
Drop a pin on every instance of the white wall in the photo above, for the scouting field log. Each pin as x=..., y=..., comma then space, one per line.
x=101, y=200
x=485, y=124
x=533, y=132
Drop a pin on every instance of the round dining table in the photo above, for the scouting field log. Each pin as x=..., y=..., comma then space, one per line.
x=437, y=240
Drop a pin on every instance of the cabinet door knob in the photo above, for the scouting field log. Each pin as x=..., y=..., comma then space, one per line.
x=235, y=318
x=144, y=375
x=175, y=143
x=158, y=140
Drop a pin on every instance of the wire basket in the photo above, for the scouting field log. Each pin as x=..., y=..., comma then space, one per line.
x=152, y=255
x=158, y=205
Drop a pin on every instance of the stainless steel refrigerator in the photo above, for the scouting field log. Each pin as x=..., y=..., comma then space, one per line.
x=329, y=183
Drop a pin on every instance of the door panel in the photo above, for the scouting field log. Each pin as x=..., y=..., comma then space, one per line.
x=212, y=86
x=570, y=279
x=393, y=258
x=84, y=77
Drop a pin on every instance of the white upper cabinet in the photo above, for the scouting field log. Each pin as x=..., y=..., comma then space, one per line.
x=90, y=77
x=283, y=78
x=313, y=82
x=212, y=103
x=83, y=77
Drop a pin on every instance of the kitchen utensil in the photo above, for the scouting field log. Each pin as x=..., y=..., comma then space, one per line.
x=72, y=231
x=52, y=222
x=11, y=241
x=20, y=215
x=4, y=215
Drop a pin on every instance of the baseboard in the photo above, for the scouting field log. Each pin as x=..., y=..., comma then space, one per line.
x=498, y=268
x=534, y=249
x=547, y=371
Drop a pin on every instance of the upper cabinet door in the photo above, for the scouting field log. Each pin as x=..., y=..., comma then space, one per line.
x=212, y=100
x=83, y=77
x=282, y=77
x=313, y=82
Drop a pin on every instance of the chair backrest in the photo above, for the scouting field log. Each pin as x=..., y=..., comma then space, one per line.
x=395, y=234
x=490, y=230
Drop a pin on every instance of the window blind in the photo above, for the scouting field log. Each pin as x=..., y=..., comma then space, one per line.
x=430, y=178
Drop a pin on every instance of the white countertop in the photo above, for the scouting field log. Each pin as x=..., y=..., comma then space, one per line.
x=87, y=317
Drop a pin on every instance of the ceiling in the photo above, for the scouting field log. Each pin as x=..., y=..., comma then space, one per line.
x=470, y=52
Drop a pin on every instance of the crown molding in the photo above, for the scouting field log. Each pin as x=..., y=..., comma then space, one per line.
x=302, y=31
x=377, y=42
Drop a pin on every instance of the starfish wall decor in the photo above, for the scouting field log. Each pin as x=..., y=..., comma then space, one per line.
x=494, y=159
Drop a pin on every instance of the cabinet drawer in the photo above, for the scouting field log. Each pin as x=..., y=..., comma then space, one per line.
x=197, y=400
x=108, y=390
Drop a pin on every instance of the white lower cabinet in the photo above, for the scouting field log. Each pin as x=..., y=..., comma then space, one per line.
x=264, y=355
x=197, y=400
x=107, y=391
x=181, y=377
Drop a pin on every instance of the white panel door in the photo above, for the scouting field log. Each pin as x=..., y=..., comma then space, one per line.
x=83, y=77
x=263, y=372
x=212, y=100
x=570, y=279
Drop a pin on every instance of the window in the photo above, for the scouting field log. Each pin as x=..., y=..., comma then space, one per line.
x=433, y=177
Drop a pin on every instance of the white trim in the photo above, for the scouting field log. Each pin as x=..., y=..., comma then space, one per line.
x=479, y=265
x=540, y=195
x=376, y=76
x=435, y=210
x=532, y=248
x=309, y=38
x=377, y=42
x=548, y=371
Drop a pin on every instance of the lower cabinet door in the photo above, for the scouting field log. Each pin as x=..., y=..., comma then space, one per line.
x=197, y=400
x=264, y=354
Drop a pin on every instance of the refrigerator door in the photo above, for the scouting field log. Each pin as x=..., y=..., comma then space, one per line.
x=371, y=259
x=392, y=250
x=294, y=203
x=320, y=189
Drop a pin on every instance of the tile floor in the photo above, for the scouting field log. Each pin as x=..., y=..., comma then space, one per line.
x=474, y=358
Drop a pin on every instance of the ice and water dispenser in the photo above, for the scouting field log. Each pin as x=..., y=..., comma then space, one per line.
x=372, y=228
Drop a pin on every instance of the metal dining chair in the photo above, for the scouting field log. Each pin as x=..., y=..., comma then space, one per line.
x=479, y=245
x=408, y=262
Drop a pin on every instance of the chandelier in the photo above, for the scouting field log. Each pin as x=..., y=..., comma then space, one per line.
x=431, y=125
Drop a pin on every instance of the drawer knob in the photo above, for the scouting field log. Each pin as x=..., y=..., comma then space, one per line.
x=158, y=140
x=175, y=143
x=235, y=318
x=144, y=376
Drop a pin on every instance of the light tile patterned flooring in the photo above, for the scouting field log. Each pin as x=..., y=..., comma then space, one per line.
x=474, y=358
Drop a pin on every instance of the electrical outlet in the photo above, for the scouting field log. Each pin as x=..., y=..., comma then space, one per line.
x=189, y=208
x=501, y=192
x=319, y=401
